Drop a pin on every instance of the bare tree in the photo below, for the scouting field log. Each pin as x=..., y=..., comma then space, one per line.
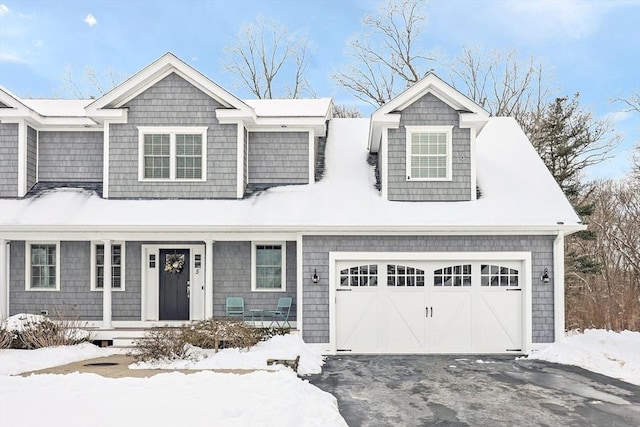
x=632, y=102
x=263, y=54
x=346, y=111
x=91, y=85
x=387, y=56
x=502, y=83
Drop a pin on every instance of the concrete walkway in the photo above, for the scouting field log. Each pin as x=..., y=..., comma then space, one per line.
x=117, y=366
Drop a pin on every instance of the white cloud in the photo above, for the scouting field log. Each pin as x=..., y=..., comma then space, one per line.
x=10, y=57
x=3, y=9
x=91, y=20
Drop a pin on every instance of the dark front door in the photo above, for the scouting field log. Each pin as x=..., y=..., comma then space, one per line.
x=174, y=284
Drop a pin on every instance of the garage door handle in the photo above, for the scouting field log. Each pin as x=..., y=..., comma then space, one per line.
x=426, y=309
x=431, y=311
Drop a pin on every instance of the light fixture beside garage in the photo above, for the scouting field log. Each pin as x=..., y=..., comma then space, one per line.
x=545, y=276
x=315, y=278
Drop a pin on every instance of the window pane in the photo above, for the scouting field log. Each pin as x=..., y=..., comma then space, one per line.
x=188, y=156
x=268, y=266
x=43, y=266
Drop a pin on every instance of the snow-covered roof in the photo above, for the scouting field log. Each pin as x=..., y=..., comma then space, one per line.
x=518, y=194
x=290, y=107
x=58, y=107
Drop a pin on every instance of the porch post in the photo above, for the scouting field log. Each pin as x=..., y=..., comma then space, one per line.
x=4, y=283
x=208, y=279
x=106, y=287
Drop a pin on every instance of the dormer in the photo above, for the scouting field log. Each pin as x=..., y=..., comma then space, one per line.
x=424, y=140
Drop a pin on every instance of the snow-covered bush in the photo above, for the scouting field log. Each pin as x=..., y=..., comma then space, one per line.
x=161, y=343
x=6, y=336
x=30, y=331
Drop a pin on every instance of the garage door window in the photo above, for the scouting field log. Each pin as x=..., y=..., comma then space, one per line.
x=359, y=275
x=456, y=275
x=402, y=275
x=495, y=275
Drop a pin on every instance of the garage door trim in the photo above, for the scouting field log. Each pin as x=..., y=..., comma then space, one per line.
x=524, y=257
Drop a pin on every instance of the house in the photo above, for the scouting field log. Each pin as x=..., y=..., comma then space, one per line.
x=428, y=228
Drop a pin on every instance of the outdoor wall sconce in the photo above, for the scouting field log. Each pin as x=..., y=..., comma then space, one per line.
x=545, y=276
x=315, y=277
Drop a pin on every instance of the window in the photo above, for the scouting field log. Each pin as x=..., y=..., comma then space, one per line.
x=172, y=153
x=359, y=275
x=269, y=267
x=457, y=275
x=42, y=260
x=495, y=275
x=401, y=275
x=429, y=155
x=117, y=266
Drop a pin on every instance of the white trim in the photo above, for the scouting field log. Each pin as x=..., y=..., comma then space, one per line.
x=22, y=159
x=94, y=245
x=27, y=267
x=107, y=300
x=283, y=275
x=4, y=279
x=240, y=163
x=299, y=283
x=448, y=131
x=472, y=161
x=524, y=257
x=37, y=155
x=208, y=282
x=384, y=164
x=558, y=287
x=105, y=160
x=312, y=157
x=172, y=131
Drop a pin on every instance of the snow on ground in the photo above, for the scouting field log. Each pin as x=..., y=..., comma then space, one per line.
x=172, y=399
x=14, y=362
x=614, y=354
x=279, y=347
x=169, y=399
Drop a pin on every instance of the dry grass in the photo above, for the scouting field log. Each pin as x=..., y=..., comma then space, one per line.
x=6, y=336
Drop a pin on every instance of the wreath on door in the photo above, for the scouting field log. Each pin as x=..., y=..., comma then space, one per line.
x=174, y=263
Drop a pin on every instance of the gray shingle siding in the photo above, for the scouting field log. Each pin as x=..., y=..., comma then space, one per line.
x=70, y=156
x=8, y=159
x=278, y=158
x=32, y=156
x=232, y=277
x=316, y=256
x=75, y=297
x=429, y=111
x=173, y=102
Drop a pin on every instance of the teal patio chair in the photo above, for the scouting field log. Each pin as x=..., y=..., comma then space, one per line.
x=281, y=313
x=235, y=307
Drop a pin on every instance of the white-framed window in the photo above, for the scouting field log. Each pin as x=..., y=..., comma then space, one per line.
x=429, y=153
x=117, y=266
x=269, y=266
x=172, y=153
x=42, y=266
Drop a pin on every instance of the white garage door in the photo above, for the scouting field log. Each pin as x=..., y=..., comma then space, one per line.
x=429, y=306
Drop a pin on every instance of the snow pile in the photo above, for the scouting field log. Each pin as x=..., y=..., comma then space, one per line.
x=14, y=362
x=614, y=354
x=18, y=322
x=173, y=399
x=279, y=347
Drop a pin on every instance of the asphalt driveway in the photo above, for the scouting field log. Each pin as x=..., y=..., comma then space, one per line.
x=474, y=391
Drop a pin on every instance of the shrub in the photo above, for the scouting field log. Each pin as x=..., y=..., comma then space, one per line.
x=220, y=333
x=45, y=332
x=6, y=336
x=161, y=343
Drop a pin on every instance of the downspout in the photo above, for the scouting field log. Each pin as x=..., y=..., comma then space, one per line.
x=558, y=286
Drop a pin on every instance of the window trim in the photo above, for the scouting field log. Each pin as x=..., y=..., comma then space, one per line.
x=172, y=131
x=94, y=267
x=448, y=130
x=283, y=254
x=27, y=262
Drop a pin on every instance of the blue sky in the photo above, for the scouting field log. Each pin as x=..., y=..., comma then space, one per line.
x=589, y=46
